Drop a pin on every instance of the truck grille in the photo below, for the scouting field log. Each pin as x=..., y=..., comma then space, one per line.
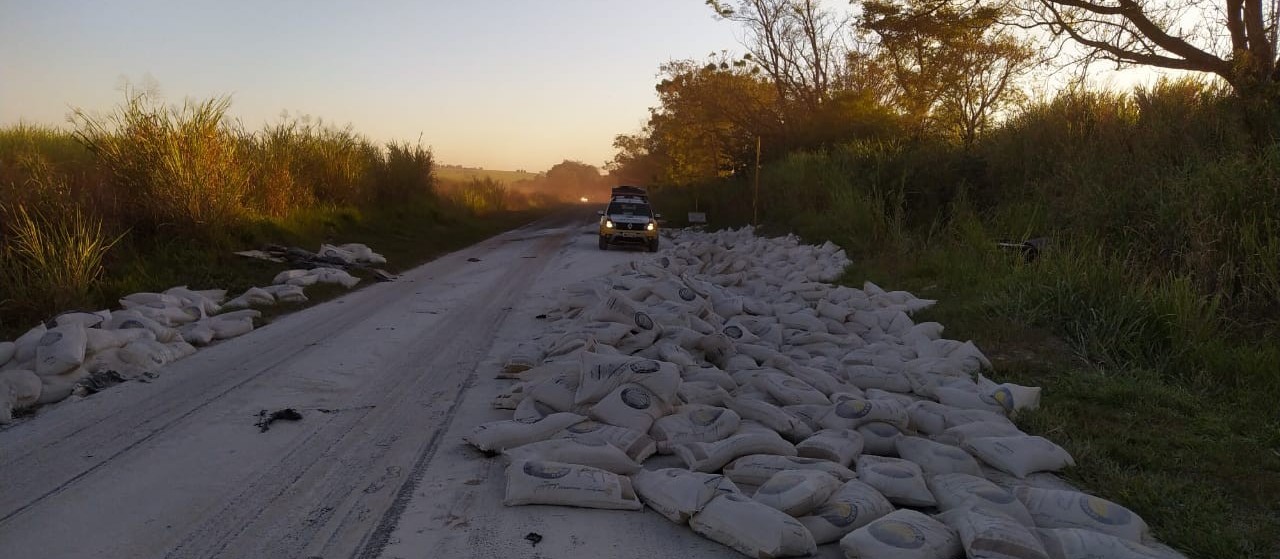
x=631, y=226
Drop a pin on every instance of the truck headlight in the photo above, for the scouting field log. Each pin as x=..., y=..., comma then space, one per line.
x=608, y=224
x=650, y=227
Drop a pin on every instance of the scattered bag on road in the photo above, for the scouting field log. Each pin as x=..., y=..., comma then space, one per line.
x=677, y=493
x=903, y=534
x=752, y=528
x=536, y=482
x=852, y=506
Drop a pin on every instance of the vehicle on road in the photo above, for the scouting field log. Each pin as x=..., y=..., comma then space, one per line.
x=629, y=220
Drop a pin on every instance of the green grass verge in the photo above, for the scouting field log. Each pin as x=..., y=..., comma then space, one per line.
x=1197, y=456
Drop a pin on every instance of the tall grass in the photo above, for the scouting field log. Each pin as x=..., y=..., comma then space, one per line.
x=121, y=188
x=51, y=260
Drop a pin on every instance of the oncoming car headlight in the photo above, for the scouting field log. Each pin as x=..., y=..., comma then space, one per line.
x=608, y=224
x=650, y=226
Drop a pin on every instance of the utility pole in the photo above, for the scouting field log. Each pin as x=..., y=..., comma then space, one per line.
x=755, y=199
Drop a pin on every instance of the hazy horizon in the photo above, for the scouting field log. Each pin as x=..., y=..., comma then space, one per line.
x=511, y=85
x=515, y=86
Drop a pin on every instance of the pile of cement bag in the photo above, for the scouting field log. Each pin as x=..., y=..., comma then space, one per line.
x=52, y=361
x=726, y=386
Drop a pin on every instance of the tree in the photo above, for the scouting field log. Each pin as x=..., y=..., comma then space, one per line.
x=795, y=42
x=705, y=126
x=1233, y=39
x=952, y=66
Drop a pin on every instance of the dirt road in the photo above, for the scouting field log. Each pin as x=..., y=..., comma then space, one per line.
x=387, y=380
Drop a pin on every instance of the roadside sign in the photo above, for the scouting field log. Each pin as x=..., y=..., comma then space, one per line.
x=697, y=217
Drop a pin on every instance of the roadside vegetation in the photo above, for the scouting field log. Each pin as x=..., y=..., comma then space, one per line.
x=1151, y=314
x=150, y=196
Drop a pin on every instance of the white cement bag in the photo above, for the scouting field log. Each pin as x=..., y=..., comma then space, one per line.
x=533, y=482
x=287, y=293
x=851, y=414
x=1077, y=543
x=789, y=391
x=770, y=416
x=498, y=436
x=124, y=320
x=756, y=469
x=199, y=333
x=694, y=423
x=751, y=438
x=709, y=374
x=677, y=493
x=19, y=389
x=60, y=349
x=963, y=399
x=841, y=446
x=229, y=327
x=252, y=297
x=901, y=481
x=602, y=374
x=954, y=491
x=752, y=529
x=903, y=534
x=334, y=276
x=701, y=392
x=524, y=357
x=630, y=405
x=98, y=340
x=810, y=414
x=576, y=451
x=960, y=434
x=937, y=458
x=1014, y=398
x=928, y=417
x=636, y=444
x=1051, y=508
x=556, y=392
x=26, y=344
x=797, y=492
x=961, y=417
x=55, y=388
x=868, y=376
x=7, y=350
x=989, y=534
x=852, y=506
x=85, y=319
x=1020, y=455
x=880, y=438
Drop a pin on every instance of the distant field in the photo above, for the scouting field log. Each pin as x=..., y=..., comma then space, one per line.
x=466, y=174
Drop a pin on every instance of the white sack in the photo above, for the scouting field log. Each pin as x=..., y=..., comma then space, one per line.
x=756, y=469
x=937, y=458
x=901, y=481
x=677, y=493
x=797, y=492
x=1071, y=509
x=751, y=528
x=498, y=436
x=852, y=506
x=751, y=438
x=533, y=482
x=958, y=490
x=1078, y=543
x=989, y=534
x=1020, y=455
x=903, y=534
x=61, y=349
x=841, y=446
x=576, y=451
x=694, y=423
x=636, y=444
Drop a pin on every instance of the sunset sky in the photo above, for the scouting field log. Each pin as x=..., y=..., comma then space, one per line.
x=502, y=84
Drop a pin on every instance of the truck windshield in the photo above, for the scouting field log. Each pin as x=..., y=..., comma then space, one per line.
x=628, y=208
